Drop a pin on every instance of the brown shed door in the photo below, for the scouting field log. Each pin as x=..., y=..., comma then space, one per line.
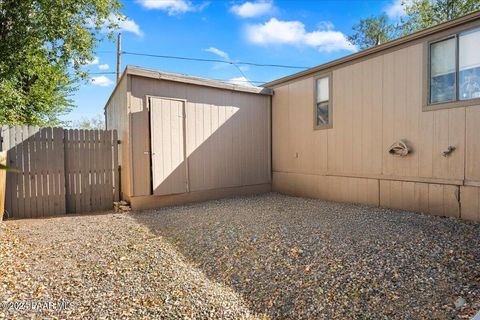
x=169, y=168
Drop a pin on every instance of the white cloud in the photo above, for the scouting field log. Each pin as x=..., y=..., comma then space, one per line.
x=101, y=81
x=218, y=52
x=241, y=81
x=253, y=9
x=92, y=62
x=396, y=9
x=293, y=33
x=172, y=7
x=126, y=25
x=103, y=67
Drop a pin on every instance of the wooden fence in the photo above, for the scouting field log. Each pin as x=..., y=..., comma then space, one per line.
x=60, y=171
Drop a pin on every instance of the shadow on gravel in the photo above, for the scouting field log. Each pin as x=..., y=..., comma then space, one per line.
x=300, y=258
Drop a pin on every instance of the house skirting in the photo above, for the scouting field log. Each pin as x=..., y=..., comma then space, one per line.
x=432, y=197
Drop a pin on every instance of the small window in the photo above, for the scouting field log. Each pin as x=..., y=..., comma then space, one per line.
x=442, y=74
x=455, y=68
x=322, y=105
x=469, y=65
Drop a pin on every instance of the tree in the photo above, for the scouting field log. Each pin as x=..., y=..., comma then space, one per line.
x=43, y=45
x=371, y=32
x=421, y=14
x=96, y=122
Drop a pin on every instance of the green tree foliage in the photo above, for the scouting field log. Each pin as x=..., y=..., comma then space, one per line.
x=421, y=14
x=371, y=32
x=43, y=45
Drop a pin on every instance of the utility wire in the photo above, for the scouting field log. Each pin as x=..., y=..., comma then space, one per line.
x=233, y=63
x=243, y=74
x=213, y=60
x=110, y=72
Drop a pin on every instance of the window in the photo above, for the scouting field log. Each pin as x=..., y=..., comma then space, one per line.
x=322, y=103
x=442, y=71
x=455, y=68
x=469, y=65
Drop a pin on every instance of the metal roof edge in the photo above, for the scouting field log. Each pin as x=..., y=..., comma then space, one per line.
x=176, y=77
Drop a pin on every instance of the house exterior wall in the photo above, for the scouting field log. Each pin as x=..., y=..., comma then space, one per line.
x=377, y=101
x=227, y=137
x=116, y=116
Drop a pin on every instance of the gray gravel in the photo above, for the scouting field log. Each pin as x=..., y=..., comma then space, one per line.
x=301, y=258
x=269, y=256
x=106, y=267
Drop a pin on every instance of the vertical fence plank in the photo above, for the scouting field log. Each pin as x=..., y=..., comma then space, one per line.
x=33, y=155
x=108, y=170
x=81, y=156
x=20, y=196
x=115, y=168
x=107, y=164
x=94, y=169
x=106, y=190
x=43, y=184
x=76, y=148
x=68, y=171
x=6, y=147
x=91, y=171
x=59, y=149
x=26, y=171
x=88, y=188
x=85, y=173
x=51, y=172
x=99, y=164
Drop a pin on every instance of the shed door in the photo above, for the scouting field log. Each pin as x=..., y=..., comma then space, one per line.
x=169, y=168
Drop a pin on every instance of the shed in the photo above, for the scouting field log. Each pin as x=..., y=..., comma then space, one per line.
x=393, y=126
x=185, y=139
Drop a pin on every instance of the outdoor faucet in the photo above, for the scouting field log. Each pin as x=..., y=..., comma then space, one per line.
x=449, y=150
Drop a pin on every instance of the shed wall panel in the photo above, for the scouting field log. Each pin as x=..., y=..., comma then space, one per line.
x=117, y=117
x=227, y=135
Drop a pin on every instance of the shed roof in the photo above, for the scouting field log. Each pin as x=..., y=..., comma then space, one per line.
x=387, y=45
x=176, y=77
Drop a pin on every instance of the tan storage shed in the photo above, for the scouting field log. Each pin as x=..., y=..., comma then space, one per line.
x=333, y=126
x=187, y=139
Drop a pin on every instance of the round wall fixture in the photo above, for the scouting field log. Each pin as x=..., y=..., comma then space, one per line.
x=399, y=149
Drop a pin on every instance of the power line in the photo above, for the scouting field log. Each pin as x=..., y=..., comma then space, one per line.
x=213, y=60
x=243, y=74
x=112, y=72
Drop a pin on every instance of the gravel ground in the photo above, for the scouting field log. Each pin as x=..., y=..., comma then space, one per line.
x=105, y=267
x=268, y=256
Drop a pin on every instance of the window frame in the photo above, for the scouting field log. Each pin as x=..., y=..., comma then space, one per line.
x=328, y=75
x=427, y=104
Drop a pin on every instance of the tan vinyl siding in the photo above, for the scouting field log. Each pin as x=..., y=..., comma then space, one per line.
x=376, y=102
x=472, y=170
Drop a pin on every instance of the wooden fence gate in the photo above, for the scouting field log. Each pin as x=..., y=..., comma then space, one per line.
x=59, y=170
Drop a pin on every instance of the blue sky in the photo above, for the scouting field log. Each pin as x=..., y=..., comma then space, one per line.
x=303, y=33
